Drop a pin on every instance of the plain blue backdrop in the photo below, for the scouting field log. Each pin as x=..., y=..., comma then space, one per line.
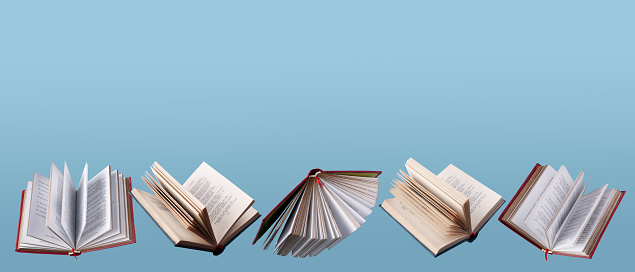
x=264, y=91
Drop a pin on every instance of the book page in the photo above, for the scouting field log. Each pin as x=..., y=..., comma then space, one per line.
x=119, y=233
x=166, y=220
x=225, y=202
x=116, y=219
x=331, y=227
x=99, y=210
x=590, y=227
x=575, y=193
x=349, y=199
x=311, y=234
x=69, y=206
x=449, y=196
x=291, y=221
x=25, y=241
x=243, y=222
x=421, y=231
x=578, y=218
x=185, y=201
x=81, y=204
x=531, y=199
x=56, y=199
x=38, y=209
x=282, y=218
x=482, y=199
x=548, y=205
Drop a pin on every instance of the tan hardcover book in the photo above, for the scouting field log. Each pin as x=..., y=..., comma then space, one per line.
x=441, y=210
x=206, y=213
x=57, y=218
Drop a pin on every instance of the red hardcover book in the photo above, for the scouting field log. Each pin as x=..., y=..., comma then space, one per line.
x=35, y=234
x=576, y=227
x=337, y=200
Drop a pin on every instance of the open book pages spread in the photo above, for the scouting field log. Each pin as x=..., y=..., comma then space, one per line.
x=552, y=211
x=57, y=218
x=441, y=210
x=325, y=208
x=207, y=212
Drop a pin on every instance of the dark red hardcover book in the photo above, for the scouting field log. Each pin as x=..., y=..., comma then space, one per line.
x=268, y=220
x=130, y=220
x=511, y=227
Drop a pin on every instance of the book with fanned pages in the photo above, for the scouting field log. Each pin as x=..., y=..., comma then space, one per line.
x=205, y=213
x=442, y=210
x=56, y=218
x=321, y=211
x=552, y=212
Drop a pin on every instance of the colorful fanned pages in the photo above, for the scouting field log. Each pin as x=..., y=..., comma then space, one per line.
x=552, y=212
x=325, y=208
x=440, y=211
x=205, y=213
x=56, y=218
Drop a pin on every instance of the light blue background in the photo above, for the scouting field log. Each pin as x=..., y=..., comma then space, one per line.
x=264, y=91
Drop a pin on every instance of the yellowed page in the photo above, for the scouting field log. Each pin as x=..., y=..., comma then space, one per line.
x=166, y=220
x=225, y=202
x=421, y=231
x=483, y=201
x=436, y=186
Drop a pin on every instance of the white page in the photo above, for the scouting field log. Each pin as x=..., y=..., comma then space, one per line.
x=311, y=230
x=56, y=199
x=363, y=187
x=26, y=240
x=342, y=217
x=332, y=233
x=531, y=198
x=225, y=202
x=587, y=233
x=332, y=183
x=69, y=206
x=114, y=203
x=356, y=216
x=578, y=218
x=482, y=199
x=349, y=200
x=288, y=226
x=99, y=209
x=81, y=204
x=574, y=194
x=548, y=205
x=38, y=210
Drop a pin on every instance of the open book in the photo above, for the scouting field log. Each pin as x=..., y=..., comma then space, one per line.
x=56, y=218
x=551, y=211
x=440, y=210
x=325, y=208
x=206, y=213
